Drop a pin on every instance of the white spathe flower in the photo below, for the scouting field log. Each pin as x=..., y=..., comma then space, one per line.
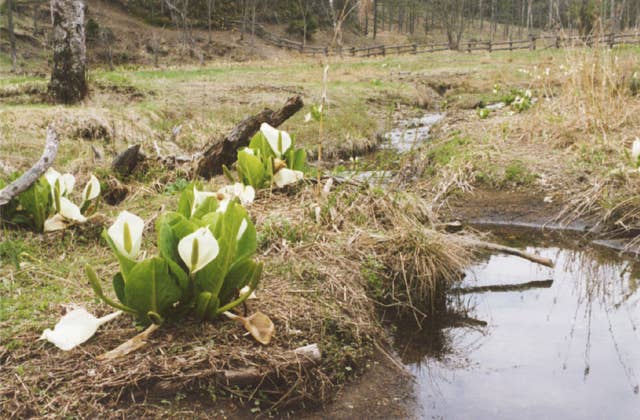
x=74, y=328
x=67, y=181
x=287, y=176
x=200, y=197
x=198, y=249
x=635, y=149
x=54, y=223
x=245, y=290
x=126, y=234
x=242, y=229
x=92, y=189
x=279, y=140
x=222, y=205
x=246, y=194
x=70, y=211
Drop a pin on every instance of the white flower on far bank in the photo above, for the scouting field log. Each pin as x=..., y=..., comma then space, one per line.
x=126, y=234
x=198, y=249
x=287, y=176
x=70, y=211
x=246, y=194
x=200, y=197
x=278, y=140
x=91, y=190
x=74, y=328
x=63, y=183
x=635, y=149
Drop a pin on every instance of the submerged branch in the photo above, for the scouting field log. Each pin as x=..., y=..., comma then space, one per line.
x=538, y=259
x=535, y=284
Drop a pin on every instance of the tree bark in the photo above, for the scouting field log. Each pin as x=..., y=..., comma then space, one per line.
x=12, y=36
x=225, y=152
x=68, y=82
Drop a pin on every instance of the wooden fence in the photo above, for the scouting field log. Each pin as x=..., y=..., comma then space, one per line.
x=532, y=43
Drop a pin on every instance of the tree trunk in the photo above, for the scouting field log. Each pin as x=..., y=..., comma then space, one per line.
x=68, y=82
x=12, y=36
x=375, y=18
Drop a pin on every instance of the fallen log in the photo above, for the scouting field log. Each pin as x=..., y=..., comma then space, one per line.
x=511, y=251
x=517, y=287
x=224, y=152
x=28, y=178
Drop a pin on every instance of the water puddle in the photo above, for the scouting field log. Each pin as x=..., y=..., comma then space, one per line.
x=410, y=133
x=533, y=342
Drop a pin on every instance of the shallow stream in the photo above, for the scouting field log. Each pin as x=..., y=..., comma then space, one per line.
x=545, y=343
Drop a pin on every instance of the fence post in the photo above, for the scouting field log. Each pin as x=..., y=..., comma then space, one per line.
x=490, y=47
x=415, y=48
x=352, y=50
x=510, y=45
x=532, y=39
x=469, y=47
x=383, y=50
x=326, y=51
x=558, y=41
x=612, y=40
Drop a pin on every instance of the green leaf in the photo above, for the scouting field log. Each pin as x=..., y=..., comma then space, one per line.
x=227, y=173
x=296, y=159
x=150, y=288
x=251, y=170
x=206, y=306
x=253, y=283
x=35, y=202
x=186, y=200
x=248, y=242
x=209, y=205
x=238, y=276
x=260, y=144
x=118, y=287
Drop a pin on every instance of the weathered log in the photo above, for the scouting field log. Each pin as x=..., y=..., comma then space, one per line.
x=125, y=163
x=516, y=287
x=224, y=152
x=511, y=251
x=32, y=175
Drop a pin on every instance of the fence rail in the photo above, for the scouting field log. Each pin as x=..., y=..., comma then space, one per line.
x=532, y=43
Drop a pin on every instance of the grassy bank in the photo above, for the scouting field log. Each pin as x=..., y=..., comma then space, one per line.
x=326, y=276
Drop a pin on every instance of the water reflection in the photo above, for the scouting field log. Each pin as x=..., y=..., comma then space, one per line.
x=570, y=350
x=412, y=132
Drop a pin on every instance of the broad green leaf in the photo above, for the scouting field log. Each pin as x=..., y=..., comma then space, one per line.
x=186, y=200
x=35, y=202
x=248, y=243
x=209, y=205
x=296, y=159
x=150, y=288
x=251, y=170
x=118, y=287
x=238, y=276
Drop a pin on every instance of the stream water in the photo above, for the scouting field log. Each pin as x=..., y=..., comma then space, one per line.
x=566, y=346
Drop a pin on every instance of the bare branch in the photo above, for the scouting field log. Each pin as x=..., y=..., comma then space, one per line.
x=28, y=178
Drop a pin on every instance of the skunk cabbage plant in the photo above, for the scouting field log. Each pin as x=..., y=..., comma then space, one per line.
x=205, y=265
x=270, y=159
x=47, y=206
